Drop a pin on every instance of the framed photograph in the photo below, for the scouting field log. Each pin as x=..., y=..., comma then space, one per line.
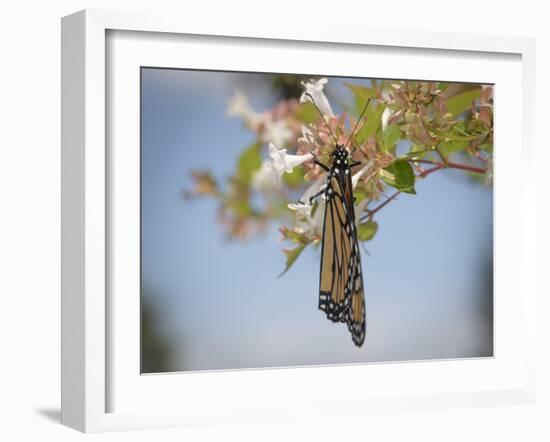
x=263, y=224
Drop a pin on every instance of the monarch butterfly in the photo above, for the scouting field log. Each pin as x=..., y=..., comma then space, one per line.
x=341, y=293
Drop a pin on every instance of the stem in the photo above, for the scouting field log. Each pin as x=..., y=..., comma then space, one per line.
x=451, y=165
x=371, y=213
x=428, y=171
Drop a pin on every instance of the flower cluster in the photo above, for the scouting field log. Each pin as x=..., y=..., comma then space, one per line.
x=273, y=126
x=399, y=131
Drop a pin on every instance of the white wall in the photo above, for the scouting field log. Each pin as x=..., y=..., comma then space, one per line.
x=30, y=221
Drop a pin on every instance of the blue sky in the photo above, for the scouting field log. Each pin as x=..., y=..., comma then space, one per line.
x=219, y=303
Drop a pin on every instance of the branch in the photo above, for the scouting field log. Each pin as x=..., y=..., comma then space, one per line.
x=433, y=169
x=451, y=165
x=371, y=213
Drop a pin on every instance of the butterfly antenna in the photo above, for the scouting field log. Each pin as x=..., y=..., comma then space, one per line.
x=322, y=116
x=357, y=123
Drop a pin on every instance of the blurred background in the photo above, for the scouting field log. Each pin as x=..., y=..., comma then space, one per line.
x=212, y=303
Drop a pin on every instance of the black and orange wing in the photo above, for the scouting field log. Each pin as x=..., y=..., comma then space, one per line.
x=334, y=278
x=341, y=286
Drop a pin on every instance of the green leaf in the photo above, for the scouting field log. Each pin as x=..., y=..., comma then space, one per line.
x=391, y=136
x=416, y=151
x=292, y=235
x=449, y=147
x=307, y=113
x=454, y=134
x=240, y=207
x=249, y=162
x=361, y=95
x=373, y=121
x=360, y=195
x=366, y=231
x=291, y=257
x=460, y=102
x=361, y=91
x=295, y=178
x=461, y=129
x=402, y=176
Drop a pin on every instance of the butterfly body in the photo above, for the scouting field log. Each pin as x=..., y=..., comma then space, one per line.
x=341, y=294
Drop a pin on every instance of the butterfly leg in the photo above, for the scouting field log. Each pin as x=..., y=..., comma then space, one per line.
x=312, y=198
x=315, y=196
x=355, y=163
x=321, y=165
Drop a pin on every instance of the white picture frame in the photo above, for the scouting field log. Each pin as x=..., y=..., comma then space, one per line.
x=87, y=319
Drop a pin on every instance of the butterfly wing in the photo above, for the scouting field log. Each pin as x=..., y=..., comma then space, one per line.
x=355, y=314
x=334, y=283
x=341, y=284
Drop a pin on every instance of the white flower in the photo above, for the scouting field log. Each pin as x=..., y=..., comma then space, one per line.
x=388, y=112
x=318, y=217
x=315, y=89
x=303, y=217
x=265, y=179
x=283, y=162
x=307, y=135
x=305, y=223
x=238, y=106
x=386, y=115
x=273, y=131
x=355, y=178
x=268, y=177
x=303, y=211
x=386, y=97
x=277, y=132
x=314, y=188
